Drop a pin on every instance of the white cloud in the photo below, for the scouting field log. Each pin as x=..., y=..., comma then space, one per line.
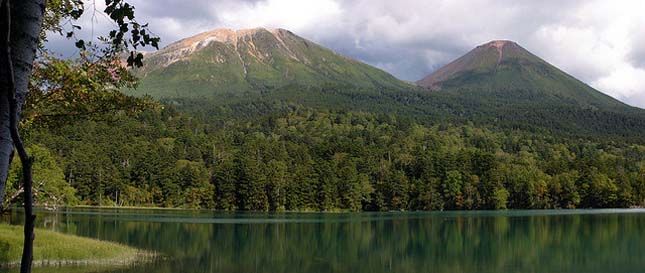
x=595, y=44
x=296, y=15
x=623, y=83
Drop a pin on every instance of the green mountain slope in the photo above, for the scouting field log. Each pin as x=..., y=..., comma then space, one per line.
x=224, y=73
x=251, y=61
x=502, y=84
x=505, y=70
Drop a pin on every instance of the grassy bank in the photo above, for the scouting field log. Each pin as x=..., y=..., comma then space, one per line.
x=53, y=249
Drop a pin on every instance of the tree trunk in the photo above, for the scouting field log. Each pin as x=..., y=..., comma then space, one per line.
x=6, y=145
x=26, y=22
x=20, y=27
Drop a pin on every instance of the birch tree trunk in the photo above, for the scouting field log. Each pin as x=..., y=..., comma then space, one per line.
x=6, y=145
x=26, y=22
x=20, y=25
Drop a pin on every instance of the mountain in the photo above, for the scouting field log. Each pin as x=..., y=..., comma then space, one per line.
x=257, y=72
x=502, y=84
x=510, y=72
x=255, y=60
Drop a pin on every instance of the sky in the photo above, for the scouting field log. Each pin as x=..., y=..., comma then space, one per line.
x=601, y=42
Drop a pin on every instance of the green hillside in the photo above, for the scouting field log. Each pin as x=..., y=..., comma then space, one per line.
x=501, y=83
x=498, y=84
x=251, y=61
x=508, y=72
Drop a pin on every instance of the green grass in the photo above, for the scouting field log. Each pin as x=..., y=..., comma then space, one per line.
x=54, y=249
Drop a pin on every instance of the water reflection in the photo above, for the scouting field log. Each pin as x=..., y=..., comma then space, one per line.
x=518, y=241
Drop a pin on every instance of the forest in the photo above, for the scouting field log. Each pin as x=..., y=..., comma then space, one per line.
x=517, y=142
x=299, y=158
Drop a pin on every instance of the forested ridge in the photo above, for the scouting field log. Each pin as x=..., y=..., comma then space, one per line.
x=285, y=156
x=307, y=129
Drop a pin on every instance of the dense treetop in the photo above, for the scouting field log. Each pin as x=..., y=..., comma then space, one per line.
x=300, y=158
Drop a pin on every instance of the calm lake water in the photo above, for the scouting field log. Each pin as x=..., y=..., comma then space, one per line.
x=509, y=241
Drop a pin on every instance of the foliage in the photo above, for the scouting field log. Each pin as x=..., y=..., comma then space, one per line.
x=60, y=16
x=300, y=158
x=51, y=190
x=63, y=90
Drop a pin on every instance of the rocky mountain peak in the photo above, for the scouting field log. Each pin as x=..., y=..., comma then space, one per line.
x=185, y=47
x=486, y=56
x=226, y=60
x=500, y=44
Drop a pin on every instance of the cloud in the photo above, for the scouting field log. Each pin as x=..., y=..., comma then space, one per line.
x=298, y=15
x=637, y=46
x=625, y=82
x=601, y=42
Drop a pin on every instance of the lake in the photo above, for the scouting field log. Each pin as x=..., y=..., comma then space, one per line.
x=483, y=241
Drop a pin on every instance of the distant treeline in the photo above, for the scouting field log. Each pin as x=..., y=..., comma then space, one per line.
x=304, y=159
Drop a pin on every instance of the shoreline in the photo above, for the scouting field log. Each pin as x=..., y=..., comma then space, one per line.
x=55, y=249
x=548, y=211
x=143, y=256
